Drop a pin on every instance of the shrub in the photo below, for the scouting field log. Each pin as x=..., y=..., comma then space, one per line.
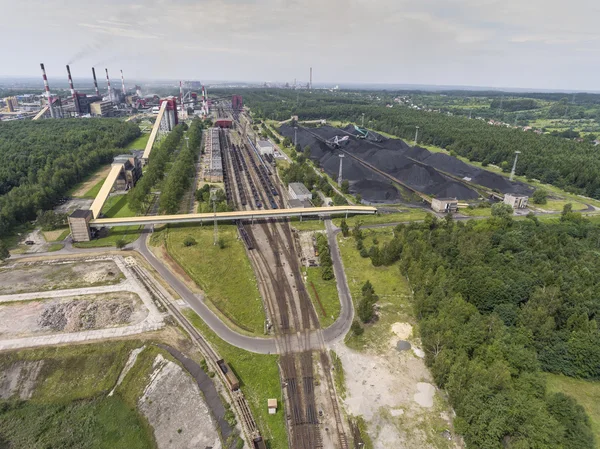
x=189, y=241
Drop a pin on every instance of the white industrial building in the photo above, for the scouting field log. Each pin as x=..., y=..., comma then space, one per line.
x=516, y=201
x=265, y=147
x=298, y=191
x=444, y=205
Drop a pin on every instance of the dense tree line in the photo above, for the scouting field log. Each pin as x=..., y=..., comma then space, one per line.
x=208, y=204
x=157, y=164
x=498, y=301
x=325, y=260
x=42, y=160
x=567, y=164
x=182, y=172
x=522, y=104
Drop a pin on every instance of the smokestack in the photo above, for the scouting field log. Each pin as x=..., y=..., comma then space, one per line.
x=181, y=96
x=49, y=97
x=73, y=93
x=108, y=84
x=123, y=84
x=310, y=82
x=96, y=83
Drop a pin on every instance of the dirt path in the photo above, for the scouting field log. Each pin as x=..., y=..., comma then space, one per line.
x=95, y=179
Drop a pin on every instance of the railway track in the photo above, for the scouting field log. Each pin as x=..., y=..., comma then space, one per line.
x=287, y=301
x=240, y=402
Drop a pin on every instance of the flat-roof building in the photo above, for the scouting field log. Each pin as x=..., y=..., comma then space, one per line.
x=298, y=191
x=444, y=205
x=101, y=108
x=79, y=225
x=264, y=147
x=213, y=162
x=516, y=201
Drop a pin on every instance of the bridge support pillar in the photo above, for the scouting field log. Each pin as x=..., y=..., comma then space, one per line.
x=79, y=224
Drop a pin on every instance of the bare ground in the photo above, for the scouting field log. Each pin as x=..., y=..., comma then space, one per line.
x=70, y=314
x=42, y=276
x=394, y=393
x=174, y=407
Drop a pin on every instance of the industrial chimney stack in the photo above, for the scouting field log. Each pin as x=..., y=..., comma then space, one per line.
x=108, y=84
x=96, y=83
x=123, y=84
x=73, y=93
x=47, y=91
x=181, y=97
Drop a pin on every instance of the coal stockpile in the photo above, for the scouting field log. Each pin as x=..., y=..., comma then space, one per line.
x=417, y=167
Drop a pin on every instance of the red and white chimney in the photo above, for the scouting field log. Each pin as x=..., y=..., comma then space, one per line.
x=95, y=82
x=108, y=84
x=47, y=88
x=123, y=84
x=73, y=93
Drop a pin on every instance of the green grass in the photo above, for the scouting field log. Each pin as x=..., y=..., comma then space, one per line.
x=587, y=394
x=328, y=295
x=225, y=275
x=55, y=247
x=77, y=186
x=558, y=205
x=259, y=380
x=116, y=206
x=93, y=192
x=139, y=143
x=95, y=423
x=307, y=225
x=70, y=407
x=338, y=374
x=406, y=215
x=391, y=287
x=476, y=212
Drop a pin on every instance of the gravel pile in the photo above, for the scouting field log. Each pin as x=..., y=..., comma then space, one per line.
x=81, y=315
x=415, y=166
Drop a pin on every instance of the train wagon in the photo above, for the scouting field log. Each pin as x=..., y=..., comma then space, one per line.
x=232, y=380
x=259, y=443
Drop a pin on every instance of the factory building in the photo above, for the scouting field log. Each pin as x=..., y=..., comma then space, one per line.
x=265, y=147
x=79, y=224
x=170, y=118
x=101, y=108
x=11, y=104
x=223, y=122
x=444, y=205
x=131, y=172
x=213, y=163
x=298, y=191
x=516, y=201
x=237, y=103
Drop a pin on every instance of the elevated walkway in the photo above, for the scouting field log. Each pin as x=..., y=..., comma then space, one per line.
x=154, y=133
x=230, y=216
x=105, y=189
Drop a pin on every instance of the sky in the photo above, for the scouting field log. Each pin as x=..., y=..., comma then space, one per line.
x=539, y=44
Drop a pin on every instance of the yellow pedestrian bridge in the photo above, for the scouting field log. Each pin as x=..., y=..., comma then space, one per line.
x=231, y=216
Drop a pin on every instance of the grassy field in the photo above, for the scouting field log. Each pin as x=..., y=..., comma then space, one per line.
x=307, y=225
x=391, y=287
x=476, y=212
x=82, y=189
x=259, y=380
x=57, y=235
x=55, y=247
x=327, y=291
x=558, y=205
x=139, y=143
x=587, y=393
x=94, y=190
x=225, y=275
x=115, y=206
x=405, y=215
x=70, y=407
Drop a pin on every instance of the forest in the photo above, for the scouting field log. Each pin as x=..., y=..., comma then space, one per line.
x=498, y=302
x=564, y=163
x=43, y=160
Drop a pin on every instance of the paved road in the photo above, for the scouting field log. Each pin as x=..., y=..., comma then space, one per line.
x=252, y=344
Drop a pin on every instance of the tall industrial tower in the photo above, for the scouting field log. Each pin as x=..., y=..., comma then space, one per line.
x=123, y=84
x=96, y=83
x=416, y=135
x=108, y=84
x=339, y=180
x=47, y=87
x=512, y=172
x=73, y=93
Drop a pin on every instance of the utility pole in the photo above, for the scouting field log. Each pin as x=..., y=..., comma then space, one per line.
x=512, y=173
x=213, y=197
x=339, y=180
x=363, y=120
x=295, y=136
x=416, y=135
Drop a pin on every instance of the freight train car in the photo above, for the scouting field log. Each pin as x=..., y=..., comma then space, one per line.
x=259, y=443
x=232, y=380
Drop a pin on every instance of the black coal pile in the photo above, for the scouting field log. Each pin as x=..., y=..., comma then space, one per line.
x=417, y=167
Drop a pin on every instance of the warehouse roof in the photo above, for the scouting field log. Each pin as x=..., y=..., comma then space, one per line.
x=299, y=188
x=264, y=143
